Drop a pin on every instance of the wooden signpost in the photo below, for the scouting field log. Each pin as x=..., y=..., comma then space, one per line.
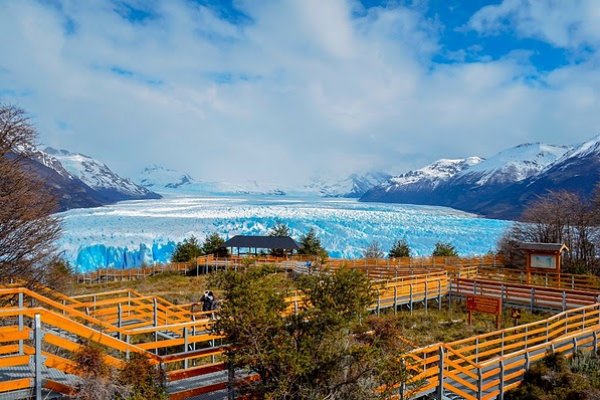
x=486, y=305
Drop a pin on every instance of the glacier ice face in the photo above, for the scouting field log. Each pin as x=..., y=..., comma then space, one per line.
x=132, y=233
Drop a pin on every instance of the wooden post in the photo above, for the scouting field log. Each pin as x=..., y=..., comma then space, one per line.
x=440, y=393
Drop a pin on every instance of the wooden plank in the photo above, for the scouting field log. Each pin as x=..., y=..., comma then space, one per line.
x=16, y=384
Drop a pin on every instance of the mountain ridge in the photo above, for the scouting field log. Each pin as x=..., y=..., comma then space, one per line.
x=502, y=185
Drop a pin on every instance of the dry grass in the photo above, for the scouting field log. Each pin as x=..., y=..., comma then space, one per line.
x=424, y=328
x=173, y=287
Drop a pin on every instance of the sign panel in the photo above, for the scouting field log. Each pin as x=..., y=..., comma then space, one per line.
x=484, y=304
x=543, y=261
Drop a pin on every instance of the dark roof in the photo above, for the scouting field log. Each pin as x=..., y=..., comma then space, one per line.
x=549, y=247
x=262, y=242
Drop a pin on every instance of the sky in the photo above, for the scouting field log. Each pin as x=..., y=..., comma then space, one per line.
x=281, y=91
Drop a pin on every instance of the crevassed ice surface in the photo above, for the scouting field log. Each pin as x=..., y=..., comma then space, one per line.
x=130, y=233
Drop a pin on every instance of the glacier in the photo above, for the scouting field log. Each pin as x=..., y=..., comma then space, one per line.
x=132, y=233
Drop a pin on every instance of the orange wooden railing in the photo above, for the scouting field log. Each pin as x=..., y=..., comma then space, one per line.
x=478, y=367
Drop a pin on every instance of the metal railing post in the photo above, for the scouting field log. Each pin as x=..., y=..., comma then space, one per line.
x=426, y=294
x=185, y=346
x=395, y=299
x=155, y=319
x=501, y=383
x=439, y=295
x=230, y=381
x=479, y=383
x=410, y=299
x=38, y=361
x=20, y=321
x=119, y=320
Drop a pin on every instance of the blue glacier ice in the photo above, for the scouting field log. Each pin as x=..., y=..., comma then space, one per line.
x=132, y=233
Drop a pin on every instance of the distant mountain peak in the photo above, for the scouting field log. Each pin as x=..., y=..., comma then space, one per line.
x=514, y=164
x=433, y=174
x=96, y=174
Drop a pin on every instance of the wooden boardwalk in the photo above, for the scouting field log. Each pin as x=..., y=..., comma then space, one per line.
x=40, y=330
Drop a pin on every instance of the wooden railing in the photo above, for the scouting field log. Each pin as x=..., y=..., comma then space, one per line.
x=376, y=268
x=184, y=348
x=487, y=365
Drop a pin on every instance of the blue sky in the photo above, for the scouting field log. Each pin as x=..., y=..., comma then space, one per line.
x=300, y=88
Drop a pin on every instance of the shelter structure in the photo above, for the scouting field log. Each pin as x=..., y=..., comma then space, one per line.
x=252, y=244
x=542, y=257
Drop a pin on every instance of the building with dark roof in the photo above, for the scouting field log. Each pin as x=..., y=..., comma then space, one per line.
x=255, y=243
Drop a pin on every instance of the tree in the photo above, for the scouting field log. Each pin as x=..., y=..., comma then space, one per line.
x=280, y=229
x=374, y=250
x=213, y=244
x=558, y=217
x=399, y=249
x=444, y=250
x=328, y=349
x=310, y=244
x=28, y=228
x=187, y=250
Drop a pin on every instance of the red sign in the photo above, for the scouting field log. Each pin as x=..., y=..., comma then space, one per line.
x=484, y=304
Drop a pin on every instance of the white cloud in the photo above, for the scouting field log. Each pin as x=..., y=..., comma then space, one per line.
x=567, y=24
x=302, y=88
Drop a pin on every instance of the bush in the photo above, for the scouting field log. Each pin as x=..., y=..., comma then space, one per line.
x=399, y=249
x=59, y=276
x=374, y=250
x=96, y=376
x=554, y=378
x=444, y=250
x=141, y=379
x=137, y=379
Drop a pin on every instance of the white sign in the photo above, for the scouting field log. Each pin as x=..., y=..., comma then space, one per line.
x=538, y=261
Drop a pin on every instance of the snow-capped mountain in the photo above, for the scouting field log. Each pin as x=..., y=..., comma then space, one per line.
x=352, y=186
x=513, y=165
x=96, y=175
x=166, y=180
x=158, y=177
x=431, y=175
x=80, y=181
x=502, y=185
